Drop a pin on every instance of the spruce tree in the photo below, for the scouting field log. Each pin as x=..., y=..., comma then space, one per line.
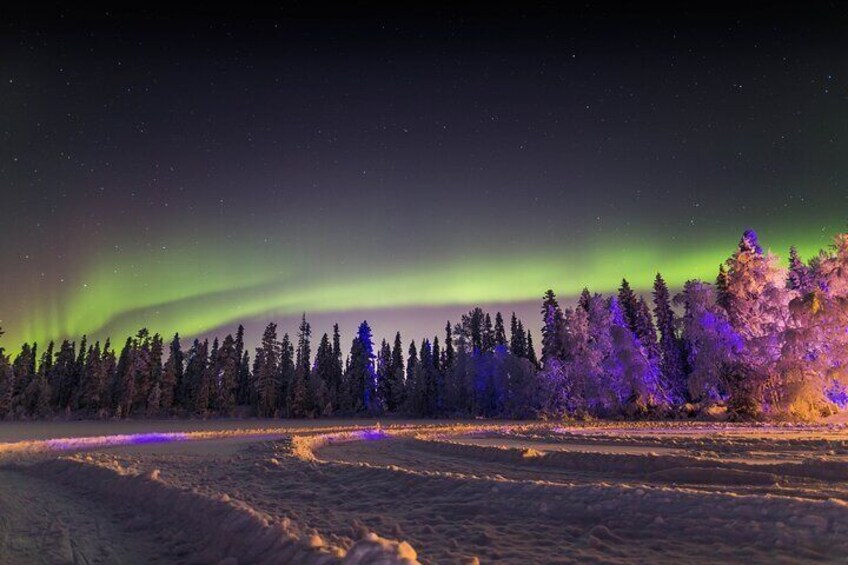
x=265, y=369
x=7, y=383
x=300, y=404
x=338, y=369
x=672, y=366
x=518, y=338
x=800, y=276
x=488, y=337
x=243, y=377
x=60, y=376
x=397, y=384
x=93, y=384
x=78, y=374
x=123, y=386
x=38, y=394
x=629, y=304
x=500, y=332
x=204, y=377
x=531, y=351
x=177, y=359
x=141, y=373
x=109, y=364
x=722, y=298
x=361, y=374
x=384, y=375
x=170, y=378
x=227, y=365
x=585, y=300
x=449, y=352
x=472, y=328
x=411, y=374
x=553, y=331
x=286, y=376
x=23, y=368
x=323, y=373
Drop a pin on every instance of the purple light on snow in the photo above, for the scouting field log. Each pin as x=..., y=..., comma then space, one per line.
x=370, y=435
x=66, y=444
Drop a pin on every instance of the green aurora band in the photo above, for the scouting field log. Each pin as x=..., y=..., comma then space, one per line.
x=194, y=290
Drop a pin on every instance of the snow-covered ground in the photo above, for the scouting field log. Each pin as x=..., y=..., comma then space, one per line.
x=355, y=492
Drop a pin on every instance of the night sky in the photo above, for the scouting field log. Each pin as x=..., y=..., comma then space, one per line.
x=187, y=172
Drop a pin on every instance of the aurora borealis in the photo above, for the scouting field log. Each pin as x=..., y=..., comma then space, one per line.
x=190, y=172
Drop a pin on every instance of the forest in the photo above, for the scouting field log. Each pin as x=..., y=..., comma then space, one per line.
x=767, y=339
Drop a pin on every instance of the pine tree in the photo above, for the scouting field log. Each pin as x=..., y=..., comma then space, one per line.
x=177, y=359
x=38, y=393
x=78, y=374
x=645, y=330
x=243, y=377
x=449, y=353
x=227, y=364
x=109, y=366
x=123, y=385
x=531, y=351
x=585, y=299
x=488, y=338
x=323, y=373
x=628, y=302
x=23, y=368
x=265, y=368
x=757, y=302
x=7, y=383
x=722, y=298
x=411, y=374
x=141, y=373
x=423, y=396
x=397, y=385
x=472, y=328
x=203, y=377
x=60, y=376
x=93, y=384
x=518, y=338
x=300, y=404
x=800, y=277
x=673, y=360
x=172, y=376
x=384, y=375
x=553, y=331
x=361, y=375
x=286, y=376
x=335, y=383
x=500, y=332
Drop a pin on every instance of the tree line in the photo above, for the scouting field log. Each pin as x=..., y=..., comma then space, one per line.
x=762, y=340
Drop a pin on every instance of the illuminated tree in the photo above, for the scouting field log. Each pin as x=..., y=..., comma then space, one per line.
x=361, y=375
x=712, y=345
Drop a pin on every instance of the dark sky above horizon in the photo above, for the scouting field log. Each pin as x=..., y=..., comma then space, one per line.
x=189, y=171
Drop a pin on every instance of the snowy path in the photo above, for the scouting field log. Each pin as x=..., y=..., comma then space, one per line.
x=43, y=523
x=458, y=493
